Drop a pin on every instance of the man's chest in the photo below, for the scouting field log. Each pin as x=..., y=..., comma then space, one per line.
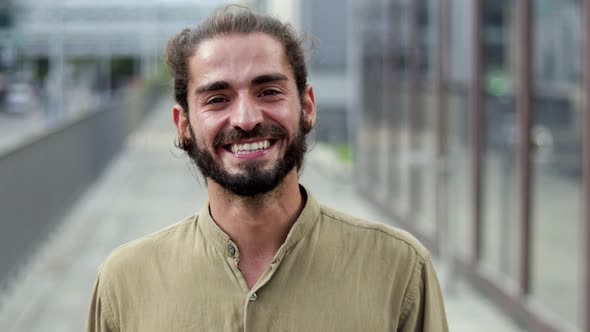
x=291, y=300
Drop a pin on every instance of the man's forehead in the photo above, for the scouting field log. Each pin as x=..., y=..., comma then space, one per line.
x=232, y=55
x=234, y=37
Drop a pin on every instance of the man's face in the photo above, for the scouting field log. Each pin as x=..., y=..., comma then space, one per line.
x=246, y=125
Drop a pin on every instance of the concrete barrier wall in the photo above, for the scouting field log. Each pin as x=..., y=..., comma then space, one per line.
x=42, y=179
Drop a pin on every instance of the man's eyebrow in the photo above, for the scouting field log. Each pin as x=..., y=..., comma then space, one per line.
x=269, y=78
x=214, y=86
x=221, y=85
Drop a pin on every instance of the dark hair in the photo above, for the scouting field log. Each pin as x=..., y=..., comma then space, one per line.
x=228, y=20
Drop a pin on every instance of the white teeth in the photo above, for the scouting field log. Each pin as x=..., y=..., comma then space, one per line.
x=249, y=147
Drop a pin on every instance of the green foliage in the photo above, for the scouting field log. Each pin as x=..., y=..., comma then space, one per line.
x=123, y=66
x=344, y=152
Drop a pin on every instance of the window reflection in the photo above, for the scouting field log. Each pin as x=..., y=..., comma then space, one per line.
x=500, y=133
x=459, y=94
x=423, y=150
x=401, y=15
x=556, y=139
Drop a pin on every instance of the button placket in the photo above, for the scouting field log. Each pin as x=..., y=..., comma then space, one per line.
x=231, y=250
x=253, y=297
x=233, y=254
x=232, y=257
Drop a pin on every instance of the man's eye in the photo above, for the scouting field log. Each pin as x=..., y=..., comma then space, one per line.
x=270, y=92
x=216, y=100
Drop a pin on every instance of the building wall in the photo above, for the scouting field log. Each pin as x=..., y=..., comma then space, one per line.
x=482, y=114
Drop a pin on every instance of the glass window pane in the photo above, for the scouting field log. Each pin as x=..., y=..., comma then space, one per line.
x=396, y=53
x=556, y=138
x=425, y=135
x=459, y=93
x=379, y=85
x=371, y=94
x=401, y=16
x=500, y=132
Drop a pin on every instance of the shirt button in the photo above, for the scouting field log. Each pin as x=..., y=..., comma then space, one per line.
x=253, y=297
x=231, y=250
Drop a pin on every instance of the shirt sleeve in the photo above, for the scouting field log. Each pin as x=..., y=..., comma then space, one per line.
x=100, y=318
x=423, y=308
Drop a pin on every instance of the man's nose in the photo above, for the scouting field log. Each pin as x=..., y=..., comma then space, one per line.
x=246, y=115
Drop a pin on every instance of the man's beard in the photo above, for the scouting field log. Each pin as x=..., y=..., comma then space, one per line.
x=253, y=179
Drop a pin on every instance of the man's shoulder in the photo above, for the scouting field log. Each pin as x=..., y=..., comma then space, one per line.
x=136, y=253
x=386, y=234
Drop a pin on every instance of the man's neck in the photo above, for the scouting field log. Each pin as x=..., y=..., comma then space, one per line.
x=259, y=225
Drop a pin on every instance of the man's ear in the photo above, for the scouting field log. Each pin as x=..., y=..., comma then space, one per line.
x=308, y=107
x=181, y=120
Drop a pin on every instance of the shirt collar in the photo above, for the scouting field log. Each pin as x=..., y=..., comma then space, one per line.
x=222, y=242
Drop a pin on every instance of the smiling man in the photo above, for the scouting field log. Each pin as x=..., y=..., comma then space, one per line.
x=262, y=254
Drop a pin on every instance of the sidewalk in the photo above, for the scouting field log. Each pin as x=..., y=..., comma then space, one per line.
x=150, y=186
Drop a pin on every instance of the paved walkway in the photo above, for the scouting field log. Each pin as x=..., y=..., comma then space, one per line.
x=150, y=186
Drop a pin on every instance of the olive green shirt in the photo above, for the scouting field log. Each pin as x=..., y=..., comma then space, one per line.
x=333, y=273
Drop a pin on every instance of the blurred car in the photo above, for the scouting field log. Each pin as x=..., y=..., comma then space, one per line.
x=19, y=98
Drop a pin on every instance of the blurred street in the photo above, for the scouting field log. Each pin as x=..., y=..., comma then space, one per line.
x=149, y=186
x=20, y=128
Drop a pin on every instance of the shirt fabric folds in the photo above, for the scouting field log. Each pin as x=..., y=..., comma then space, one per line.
x=334, y=272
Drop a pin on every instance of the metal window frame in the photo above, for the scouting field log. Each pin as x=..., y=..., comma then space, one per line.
x=476, y=131
x=441, y=179
x=413, y=108
x=523, y=151
x=585, y=257
x=391, y=88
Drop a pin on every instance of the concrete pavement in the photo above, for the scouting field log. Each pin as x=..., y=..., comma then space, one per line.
x=148, y=187
x=16, y=129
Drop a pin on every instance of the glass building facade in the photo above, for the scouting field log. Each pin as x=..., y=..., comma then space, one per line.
x=475, y=135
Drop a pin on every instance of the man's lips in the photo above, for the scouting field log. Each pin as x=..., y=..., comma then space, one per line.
x=250, y=146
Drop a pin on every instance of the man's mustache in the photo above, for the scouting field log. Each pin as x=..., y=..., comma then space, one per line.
x=233, y=135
